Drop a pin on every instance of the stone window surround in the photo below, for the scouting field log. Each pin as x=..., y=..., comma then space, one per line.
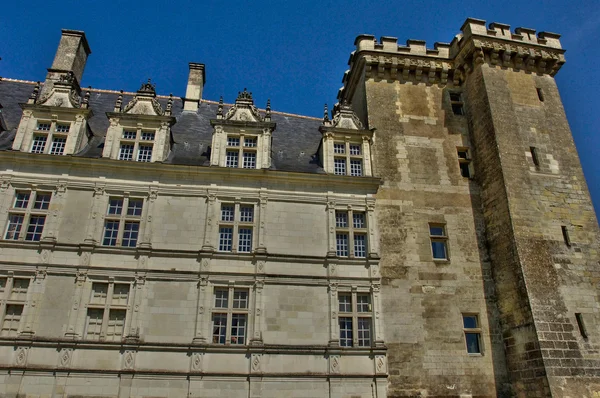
x=51, y=135
x=350, y=137
x=106, y=306
x=7, y=300
x=356, y=316
x=241, y=149
x=439, y=239
x=475, y=332
x=236, y=224
x=137, y=142
x=368, y=210
x=27, y=213
x=230, y=311
x=234, y=129
x=123, y=218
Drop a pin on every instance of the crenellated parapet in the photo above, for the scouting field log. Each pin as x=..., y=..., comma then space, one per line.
x=448, y=64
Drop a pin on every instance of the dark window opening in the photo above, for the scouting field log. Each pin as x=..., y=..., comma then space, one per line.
x=457, y=103
x=581, y=325
x=464, y=162
x=534, y=156
x=540, y=94
x=566, y=237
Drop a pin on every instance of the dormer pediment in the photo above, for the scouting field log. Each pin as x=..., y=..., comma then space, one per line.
x=64, y=93
x=343, y=118
x=144, y=102
x=243, y=110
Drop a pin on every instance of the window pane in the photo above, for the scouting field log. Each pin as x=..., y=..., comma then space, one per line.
x=227, y=212
x=364, y=332
x=58, y=146
x=15, y=222
x=249, y=160
x=339, y=147
x=436, y=230
x=360, y=245
x=470, y=321
x=19, y=289
x=130, y=233
x=341, y=219
x=246, y=213
x=221, y=298
x=94, y=323
x=43, y=126
x=358, y=220
x=21, y=200
x=339, y=166
x=35, y=228
x=111, y=230
x=341, y=241
x=115, y=206
x=438, y=247
x=42, y=201
x=245, y=240
x=363, y=302
x=345, y=331
x=129, y=135
x=231, y=159
x=225, y=239
x=240, y=298
x=233, y=141
x=39, y=144
x=126, y=152
x=354, y=149
x=147, y=136
x=345, y=302
x=238, y=329
x=144, y=153
x=116, y=325
x=250, y=142
x=134, y=207
x=63, y=128
x=219, y=328
x=472, y=340
x=356, y=168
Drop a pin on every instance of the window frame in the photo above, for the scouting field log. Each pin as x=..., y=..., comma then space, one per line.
x=137, y=142
x=51, y=134
x=236, y=222
x=457, y=105
x=106, y=306
x=476, y=332
x=351, y=231
x=357, y=316
x=347, y=158
x=241, y=149
x=123, y=219
x=464, y=163
x=28, y=212
x=13, y=299
x=228, y=312
x=442, y=239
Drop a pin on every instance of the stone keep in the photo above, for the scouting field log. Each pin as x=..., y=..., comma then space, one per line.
x=434, y=236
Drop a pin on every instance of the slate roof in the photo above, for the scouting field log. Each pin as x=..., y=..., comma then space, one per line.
x=295, y=144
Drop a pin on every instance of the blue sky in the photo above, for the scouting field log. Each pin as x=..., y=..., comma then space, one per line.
x=292, y=52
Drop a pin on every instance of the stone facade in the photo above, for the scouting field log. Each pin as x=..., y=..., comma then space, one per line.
x=434, y=237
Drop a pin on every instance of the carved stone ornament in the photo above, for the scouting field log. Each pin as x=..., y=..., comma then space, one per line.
x=380, y=364
x=196, y=363
x=128, y=360
x=244, y=109
x=334, y=364
x=344, y=117
x=64, y=93
x=255, y=362
x=64, y=359
x=144, y=102
x=21, y=356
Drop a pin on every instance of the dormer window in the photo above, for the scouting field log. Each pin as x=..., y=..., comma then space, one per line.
x=345, y=149
x=50, y=137
x=141, y=131
x=242, y=137
x=136, y=145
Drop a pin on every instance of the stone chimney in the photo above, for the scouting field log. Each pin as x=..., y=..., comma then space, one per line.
x=193, y=93
x=71, y=57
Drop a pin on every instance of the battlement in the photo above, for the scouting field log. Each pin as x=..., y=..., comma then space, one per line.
x=471, y=27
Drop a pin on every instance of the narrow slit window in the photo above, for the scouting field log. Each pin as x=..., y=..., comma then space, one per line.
x=565, y=233
x=534, y=156
x=540, y=94
x=581, y=325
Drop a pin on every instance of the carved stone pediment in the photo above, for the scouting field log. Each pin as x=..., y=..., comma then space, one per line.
x=344, y=118
x=244, y=109
x=144, y=102
x=64, y=93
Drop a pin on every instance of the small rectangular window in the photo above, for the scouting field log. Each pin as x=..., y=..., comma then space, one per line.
x=341, y=219
x=231, y=159
x=43, y=126
x=249, y=160
x=339, y=147
x=355, y=150
x=147, y=136
x=21, y=200
x=356, y=167
x=339, y=166
x=134, y=207
x=115, y=206
x=250, y=142
x=456, y=103
x=439, y=241
x=144, y=153
x=233, y=141
x=540, y=94
x=581, y=325
x=35, y=228
x=246, y=213
x=464, y=162
x=129, y=135
x=227, y=212
x=42, y=201
x=245, y=240
x=472, y=332
x=63, y=128
x=534, y=156
x=130, y=233
x=39, y=144
x=341, y=244
x=126, y=152
x=221, y=298
x=225, y=239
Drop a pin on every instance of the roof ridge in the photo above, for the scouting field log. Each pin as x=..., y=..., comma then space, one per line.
x=101, y=90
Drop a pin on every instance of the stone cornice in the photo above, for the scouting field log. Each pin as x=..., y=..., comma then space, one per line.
x=50, y=110
x=450, y=63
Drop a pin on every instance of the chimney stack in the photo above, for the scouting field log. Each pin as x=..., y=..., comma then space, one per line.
x=193, y=93
x=71, y=56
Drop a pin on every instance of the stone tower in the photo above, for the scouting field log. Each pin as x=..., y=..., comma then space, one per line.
x=489, y=237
